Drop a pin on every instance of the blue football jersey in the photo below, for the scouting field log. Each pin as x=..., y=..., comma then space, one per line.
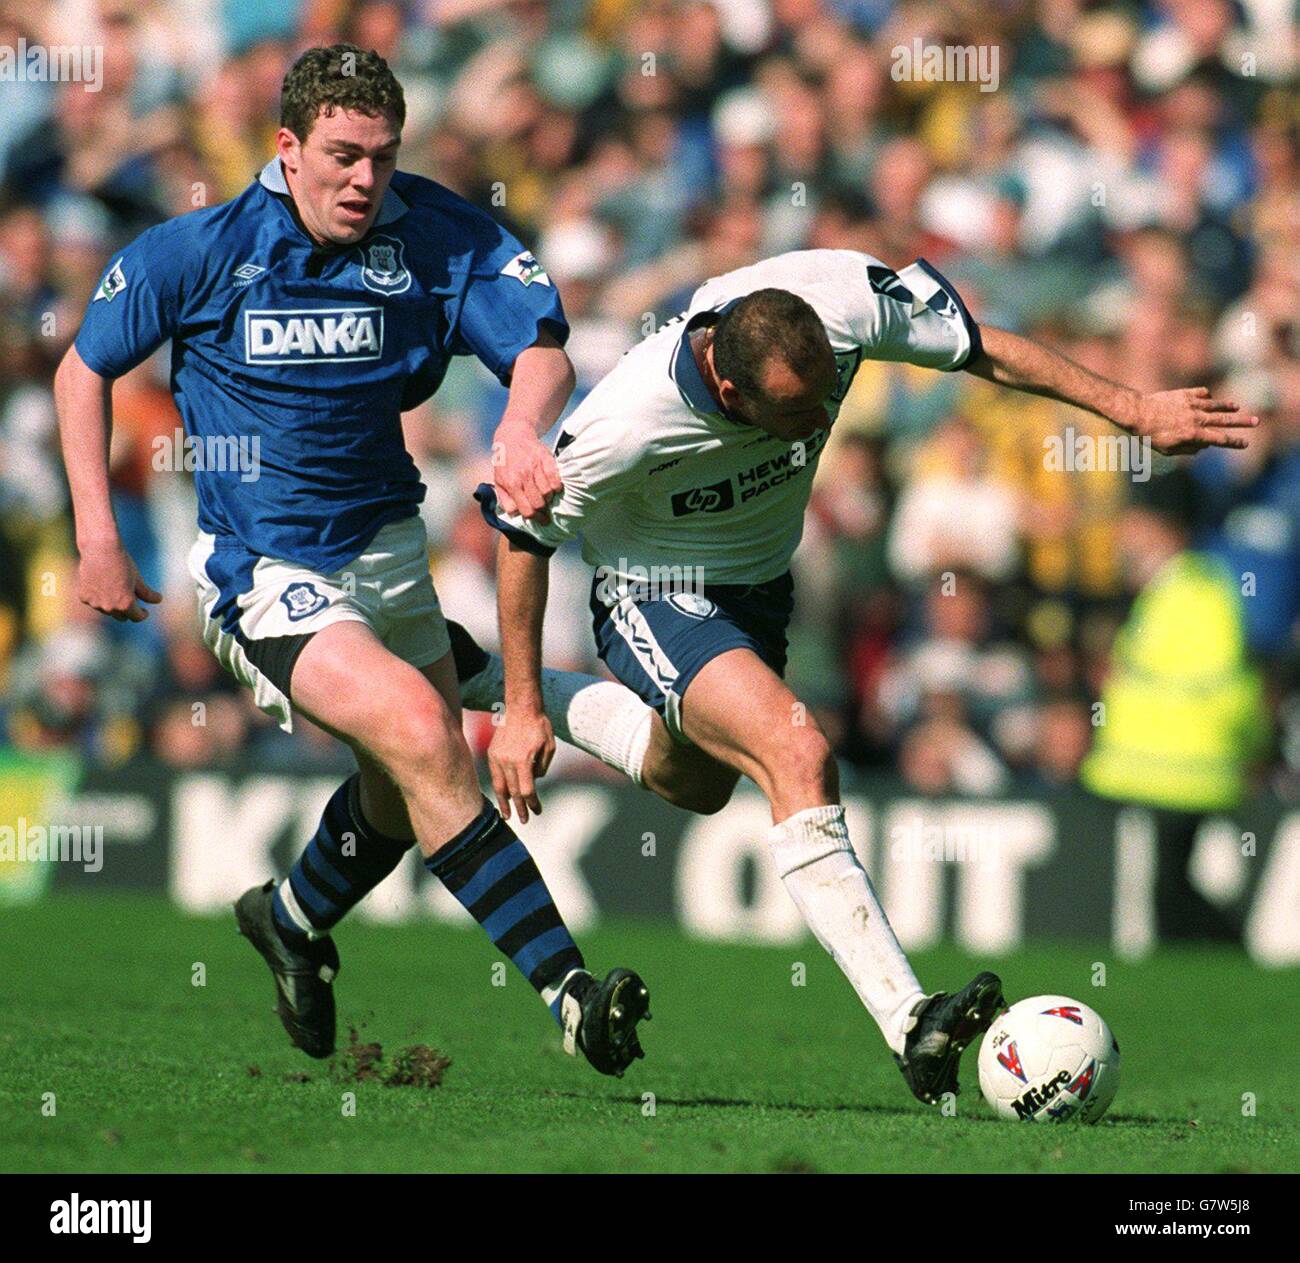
x=315, y=353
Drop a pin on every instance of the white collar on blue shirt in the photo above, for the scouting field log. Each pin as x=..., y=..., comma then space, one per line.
x=272, y=177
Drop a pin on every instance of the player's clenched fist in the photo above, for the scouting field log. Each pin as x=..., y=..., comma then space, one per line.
x=108, y=581
x=524, y=471
x=522, y=749
x=1179, y=422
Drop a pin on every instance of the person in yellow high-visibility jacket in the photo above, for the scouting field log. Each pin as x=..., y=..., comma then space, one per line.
x=1183, y=710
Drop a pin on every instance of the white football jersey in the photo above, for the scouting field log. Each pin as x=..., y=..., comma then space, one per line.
x=656, y=476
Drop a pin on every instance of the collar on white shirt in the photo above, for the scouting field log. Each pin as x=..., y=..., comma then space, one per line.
x=686, y=372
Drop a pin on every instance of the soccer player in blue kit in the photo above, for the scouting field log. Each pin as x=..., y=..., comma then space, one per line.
x=309, y=313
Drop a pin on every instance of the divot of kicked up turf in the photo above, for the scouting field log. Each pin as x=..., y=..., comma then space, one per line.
x=417, y=1066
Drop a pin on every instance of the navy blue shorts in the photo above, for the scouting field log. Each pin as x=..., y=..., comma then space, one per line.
x=657, y=645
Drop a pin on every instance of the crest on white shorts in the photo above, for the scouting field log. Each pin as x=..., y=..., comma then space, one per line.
x=302, y=601
x=382, y=268
x=691, y=604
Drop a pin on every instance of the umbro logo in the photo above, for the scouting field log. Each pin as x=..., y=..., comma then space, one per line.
x=247, y=273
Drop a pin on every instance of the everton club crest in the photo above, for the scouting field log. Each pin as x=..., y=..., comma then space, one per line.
x=302, y=601
x=382, y=268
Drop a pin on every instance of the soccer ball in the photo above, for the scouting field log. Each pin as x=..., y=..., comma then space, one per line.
x=1049, y=1059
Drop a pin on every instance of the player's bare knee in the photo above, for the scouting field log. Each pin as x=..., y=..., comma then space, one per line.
x=804, y=765
x=418, y=741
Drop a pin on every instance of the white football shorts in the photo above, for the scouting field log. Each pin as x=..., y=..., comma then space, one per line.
x=259, y=613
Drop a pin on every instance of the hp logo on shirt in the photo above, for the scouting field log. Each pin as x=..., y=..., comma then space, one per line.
x=717, y=498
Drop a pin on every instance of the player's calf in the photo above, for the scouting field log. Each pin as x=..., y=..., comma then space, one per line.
x=685, y=775
x=345, y=860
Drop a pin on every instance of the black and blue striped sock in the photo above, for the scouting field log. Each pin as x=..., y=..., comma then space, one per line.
x=345, y=860
x=491, y=873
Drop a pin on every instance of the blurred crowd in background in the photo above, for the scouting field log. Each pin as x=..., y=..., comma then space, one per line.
x=1127, y=193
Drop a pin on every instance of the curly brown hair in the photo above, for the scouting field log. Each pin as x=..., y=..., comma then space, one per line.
x=339, y=77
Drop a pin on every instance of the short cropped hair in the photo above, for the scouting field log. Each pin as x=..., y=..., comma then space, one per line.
x=765, y=323
x=341, y=77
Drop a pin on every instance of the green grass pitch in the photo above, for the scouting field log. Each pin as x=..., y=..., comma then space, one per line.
x=748, y=1072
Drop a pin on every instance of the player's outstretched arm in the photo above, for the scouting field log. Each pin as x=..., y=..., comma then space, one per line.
x=107, y=579
x=523, y=467
x=1177, y=422
x=524, y=744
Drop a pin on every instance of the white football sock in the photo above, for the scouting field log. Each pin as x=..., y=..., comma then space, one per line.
x=816, y=862
x=598, y=716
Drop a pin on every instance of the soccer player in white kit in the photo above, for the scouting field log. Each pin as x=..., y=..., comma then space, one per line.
x=686, y=473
